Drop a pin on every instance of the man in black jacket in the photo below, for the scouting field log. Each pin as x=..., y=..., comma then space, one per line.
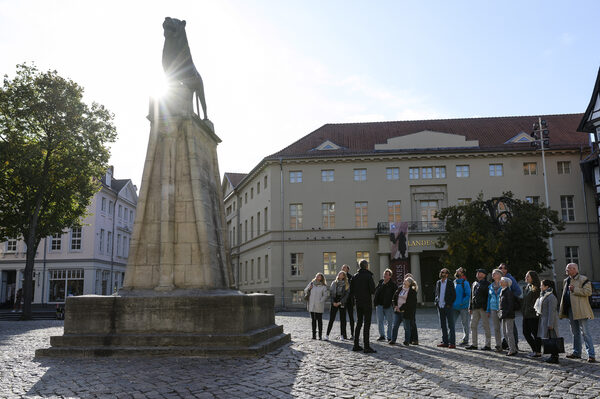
x=383, y=305
x=362, y=288
x=444, y=299
x=477, y=309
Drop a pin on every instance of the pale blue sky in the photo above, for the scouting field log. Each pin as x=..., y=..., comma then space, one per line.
x=276, y=70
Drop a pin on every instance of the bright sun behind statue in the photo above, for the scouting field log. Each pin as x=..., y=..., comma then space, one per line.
x=159, y=86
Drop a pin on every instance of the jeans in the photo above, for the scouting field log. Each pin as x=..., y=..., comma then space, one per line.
x=577, y=327
x=507, y=327
x=496, y=323
x=398, y=318
x=387, y=315
x=363, y=315
x=480, y=314
x=332, y=312
x=465, y=320
x=530, y=330
x=316, y=318
x=447, y=322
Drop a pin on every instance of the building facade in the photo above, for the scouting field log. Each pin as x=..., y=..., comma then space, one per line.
x=328, y=199
x=90, y=259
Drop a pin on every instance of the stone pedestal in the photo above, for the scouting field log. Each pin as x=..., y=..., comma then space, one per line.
x=177, y=298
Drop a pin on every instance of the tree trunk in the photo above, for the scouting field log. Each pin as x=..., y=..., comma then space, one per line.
x=32, y=245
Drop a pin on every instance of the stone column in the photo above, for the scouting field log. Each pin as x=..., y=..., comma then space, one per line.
x=384, y=263
x=415, y=270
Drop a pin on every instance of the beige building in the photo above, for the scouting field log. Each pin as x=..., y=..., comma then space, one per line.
x=327, y=199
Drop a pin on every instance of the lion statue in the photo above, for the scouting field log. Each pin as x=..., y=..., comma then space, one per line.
x=177, y=60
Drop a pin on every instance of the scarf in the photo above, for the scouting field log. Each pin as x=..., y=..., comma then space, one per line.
x=538, y=302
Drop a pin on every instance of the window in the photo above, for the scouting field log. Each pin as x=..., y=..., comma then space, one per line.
x=462, y=170
x=246, y=271
x=413, y=173
x=120, y=211
x=126, y=214
x=440, y=172
x=251, y=192
x=258, y=268
x=257, y=187
x=76, y=239
x=101, y=240
x=392, y=173
x=295, y=216
x=463, y=201
x=251, y=269
x=245, y=230
x=296, y=176
x=266, y=267
x=251, y=227
x=65, y=281
x=109, y=243
x=533, y=199
x=327, y=175
x=567, y=209
x=265, y=182
x=360, y=174
x=495, y=169
x=234, y=237
x=131, y=215
x=266, y=220
x=297, y=264
x=125, y=246
x=564, y=167
x=118, y=244
x=328, y=213
x=427, y=173
x=258, y=223
x=56, y=242
x=529, y=168
x=329, y=259
x=393, y=211
x=360, y=255
x=103, y=206
x=110, y=208
x=428, y=211
x=245, y=198
x=360, y=214
x=572, y=254
x=11, y=245
x=298, y=296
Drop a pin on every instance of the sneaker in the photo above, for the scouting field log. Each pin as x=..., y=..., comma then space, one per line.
x=486, y=348
x=511, y=353
x=471, y=347
x=327, y=338
x=573, y=356
x=381, y=338
x=392, y=342
x=369, y=350
x=405, y=343
x=357, y=348
x=451, y=346
x=463, y=343
x=414, y=343
x=442, y=345
x=591, y=360
x=530, y=354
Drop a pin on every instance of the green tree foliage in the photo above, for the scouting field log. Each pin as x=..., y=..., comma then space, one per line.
x=53, y=147
x=483, y=234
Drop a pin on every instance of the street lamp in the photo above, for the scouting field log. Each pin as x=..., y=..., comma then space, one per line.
x=541, y=139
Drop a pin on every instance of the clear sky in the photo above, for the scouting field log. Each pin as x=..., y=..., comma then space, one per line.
x=276, y=70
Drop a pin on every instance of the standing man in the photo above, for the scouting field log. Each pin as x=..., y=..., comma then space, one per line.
x=477, y=309
x=575, y=305
x=350, y=303
x=362, y=288
x=444, y=299
x=461, y=303
x=383, y=305
x=518, y=293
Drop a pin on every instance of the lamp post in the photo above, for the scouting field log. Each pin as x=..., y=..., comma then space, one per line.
x=541, y=138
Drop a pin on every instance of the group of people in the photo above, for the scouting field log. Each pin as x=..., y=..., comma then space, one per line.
x=482, y=302
x=499, y=299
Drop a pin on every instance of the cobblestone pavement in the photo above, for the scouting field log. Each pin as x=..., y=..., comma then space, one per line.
x=305, y=368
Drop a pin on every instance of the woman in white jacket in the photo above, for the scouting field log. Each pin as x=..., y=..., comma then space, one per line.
x=316, y=302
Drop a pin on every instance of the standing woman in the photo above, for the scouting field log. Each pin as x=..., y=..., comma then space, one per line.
x=409, y=308
x=414, y=334
x=507, y=314
x=530, y=317
x=546, y=306
x=338, y=293
x=493, y=305
x=316, y=302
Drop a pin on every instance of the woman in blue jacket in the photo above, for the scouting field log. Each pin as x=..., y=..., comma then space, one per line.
x=493, y=306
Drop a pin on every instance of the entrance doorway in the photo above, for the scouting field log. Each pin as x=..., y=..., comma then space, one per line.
x=430, y=270
x=8, y=288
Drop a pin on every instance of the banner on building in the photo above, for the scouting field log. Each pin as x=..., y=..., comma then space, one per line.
x=399, y=241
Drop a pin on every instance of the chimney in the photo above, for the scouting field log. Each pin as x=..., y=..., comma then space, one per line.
x=109, y=173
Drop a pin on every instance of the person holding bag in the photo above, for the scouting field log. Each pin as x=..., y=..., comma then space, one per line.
x=339, y=290
x=545, y=306
x=317, y=294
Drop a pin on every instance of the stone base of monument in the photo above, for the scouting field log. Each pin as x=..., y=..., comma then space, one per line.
x=176, y=323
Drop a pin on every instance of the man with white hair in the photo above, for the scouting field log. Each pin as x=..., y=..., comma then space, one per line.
x=575, y=305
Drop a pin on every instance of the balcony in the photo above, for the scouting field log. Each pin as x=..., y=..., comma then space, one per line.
x=415, y=227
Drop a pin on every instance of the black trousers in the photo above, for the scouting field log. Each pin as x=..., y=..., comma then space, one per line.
x=332, y=312
x=350, y=310
x=363, y=317
x=530, y=330
x=414, y=334
x=316, y=318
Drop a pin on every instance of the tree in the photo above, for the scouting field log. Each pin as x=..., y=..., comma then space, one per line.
x=482, y=234
x=53, y=148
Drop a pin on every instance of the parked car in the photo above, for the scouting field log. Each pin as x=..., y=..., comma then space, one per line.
x=595, y=297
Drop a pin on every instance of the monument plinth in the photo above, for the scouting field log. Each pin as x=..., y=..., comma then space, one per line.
x=177, y=297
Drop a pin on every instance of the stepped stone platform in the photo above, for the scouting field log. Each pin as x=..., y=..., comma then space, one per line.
x=177, y=323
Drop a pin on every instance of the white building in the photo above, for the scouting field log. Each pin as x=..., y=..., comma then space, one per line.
x=85, y=260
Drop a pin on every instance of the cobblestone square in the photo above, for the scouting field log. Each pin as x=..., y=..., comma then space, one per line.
x=305, y=368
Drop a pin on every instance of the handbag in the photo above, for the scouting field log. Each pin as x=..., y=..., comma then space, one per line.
x=553, y=345
x=307, y=295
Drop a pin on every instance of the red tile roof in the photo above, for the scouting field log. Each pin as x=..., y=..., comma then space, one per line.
x=492, y=133
x=235, y=178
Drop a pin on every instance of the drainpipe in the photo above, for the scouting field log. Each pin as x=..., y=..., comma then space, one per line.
x=282, y=234
x=587, y=220
x=44, y=271
x=112, y=245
